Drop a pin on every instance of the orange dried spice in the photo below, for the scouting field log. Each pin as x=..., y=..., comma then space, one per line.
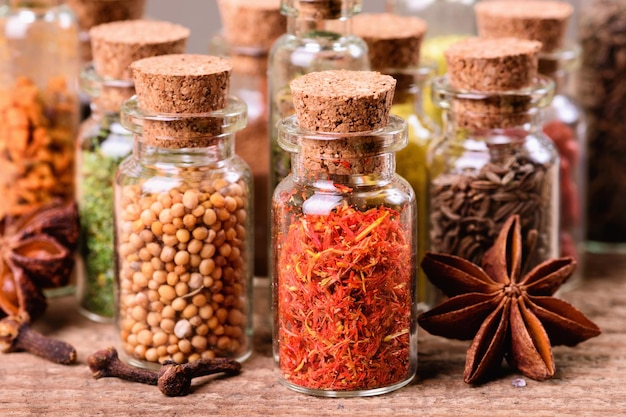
x=37, y=130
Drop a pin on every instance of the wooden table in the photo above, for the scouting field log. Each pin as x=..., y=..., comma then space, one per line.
x=590, y=379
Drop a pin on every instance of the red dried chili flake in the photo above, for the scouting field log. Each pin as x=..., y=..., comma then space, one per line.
x=345, y=286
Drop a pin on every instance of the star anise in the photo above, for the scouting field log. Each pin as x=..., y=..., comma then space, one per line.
x=505, y=314
x=36, y=252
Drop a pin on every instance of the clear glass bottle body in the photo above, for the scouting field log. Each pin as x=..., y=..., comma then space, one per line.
x=102, y=145
x=183, y=219
x=344, y=265
x=411, y=161
x=39, y=107
x=313, y=42
x=488, y=166
x=565, y=124
x=601, y=91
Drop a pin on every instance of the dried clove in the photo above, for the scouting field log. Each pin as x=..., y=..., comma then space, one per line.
x=17, y=335
x=106, y=363
x=175, y=380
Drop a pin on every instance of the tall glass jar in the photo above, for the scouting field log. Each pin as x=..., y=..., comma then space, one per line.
x=39, y=104
x=489, y=166
x=565, y=124
x=344, y=241
x=102, y=145
x=319, y=37
x=183, y=217
x=602, y=93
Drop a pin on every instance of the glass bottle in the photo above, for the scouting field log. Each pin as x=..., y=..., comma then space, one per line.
x=565, y=124
x=103, y=143
x=493, y=161
x=183, y=217
x=344, y=259
x=319, y=37
x=39, y=107
x=602, y=93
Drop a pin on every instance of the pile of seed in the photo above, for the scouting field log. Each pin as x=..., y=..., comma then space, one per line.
x=183, y=270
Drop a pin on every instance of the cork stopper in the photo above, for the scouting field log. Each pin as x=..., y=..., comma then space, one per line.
x=252, y=23
x=393, y=41
x=95, y=12
x=182, y=84
x=116, y=45
x=485, y=64
x=491, y=66
x=342, y=101
x=543, y=21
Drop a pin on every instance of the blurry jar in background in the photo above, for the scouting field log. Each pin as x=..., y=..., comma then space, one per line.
x=103, y=143
x=249, y=28
x=602, y=93
x=563, y=120
x=38, y=104
x=394, y=49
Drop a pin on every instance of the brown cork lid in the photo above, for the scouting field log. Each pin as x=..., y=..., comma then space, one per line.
x=95, y=12
x=342, y=101
x=543, y=21
x=186, y=85
x=486, y=64
x=116, y=45
x=393, y=41
x=182, y=83
x=252, y=23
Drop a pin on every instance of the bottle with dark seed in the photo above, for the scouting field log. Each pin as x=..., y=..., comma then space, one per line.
x=493, y=159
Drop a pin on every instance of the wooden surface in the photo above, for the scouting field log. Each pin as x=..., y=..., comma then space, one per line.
x=590, y=379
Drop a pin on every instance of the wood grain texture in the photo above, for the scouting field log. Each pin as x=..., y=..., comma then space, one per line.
x=590, y=378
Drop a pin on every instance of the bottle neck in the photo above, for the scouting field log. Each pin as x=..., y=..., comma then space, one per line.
x=305, y=27
x=165, y=158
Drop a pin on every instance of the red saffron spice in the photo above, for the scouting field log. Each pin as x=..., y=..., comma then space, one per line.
x=344, y=300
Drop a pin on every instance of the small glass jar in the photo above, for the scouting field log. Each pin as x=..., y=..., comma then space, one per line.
x=319, y=37
x=39, y=105
x=102, y=145
x=565, y=124
x=344, y=263
x=183, y=218
x=493, y=161
x=601, y=91
x=411, y=162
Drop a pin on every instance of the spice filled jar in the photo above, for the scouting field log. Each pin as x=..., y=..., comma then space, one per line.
x=319, y=37
x=394, y=48
x=493, y=159
x=344, y=241
x=249, y=28
x=103, y=143
x=183, y=216
x=39, y=107
x=602, y=93
x=563, y=119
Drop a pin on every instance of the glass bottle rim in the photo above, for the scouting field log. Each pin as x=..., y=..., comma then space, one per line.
x=228, y=120
x=566, y=58
x=223, y=47
x=537, y=95
x=392, y=137
x=348, y=8
x=92, y=83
